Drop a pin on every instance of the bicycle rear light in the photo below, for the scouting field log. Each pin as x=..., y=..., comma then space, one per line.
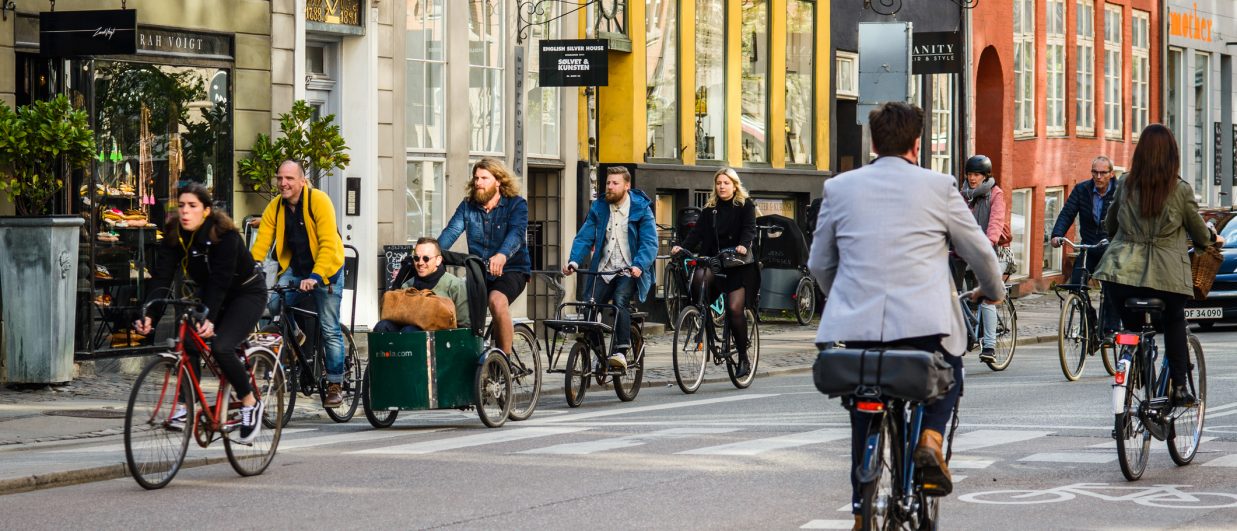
x=1127, y=339
x=870, y=406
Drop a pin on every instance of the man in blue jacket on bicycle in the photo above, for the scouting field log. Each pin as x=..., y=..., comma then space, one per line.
x=1089, y=202
x=621, y=233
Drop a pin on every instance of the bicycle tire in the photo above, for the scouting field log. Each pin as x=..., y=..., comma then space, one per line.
x=1006, y=335
x=876, y=495
x=576, y=374
x=1073, y=336
x=627, y=386
x=753, y=353
x=689, y=354
x=672, y=295
x=292, y=376
x=377, y=419
x=526, y=372
x=266, y=378
x=154, y=453
x=350, y=387
x=805, y=301
x=493, y=389
x=1133, y=439
x=1187, y=426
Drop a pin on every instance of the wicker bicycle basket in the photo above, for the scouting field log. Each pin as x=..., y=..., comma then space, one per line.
x=1203, y=266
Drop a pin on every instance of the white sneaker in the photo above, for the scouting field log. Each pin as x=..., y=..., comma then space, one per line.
x=251, y=422
x=177, y=421
x=618, y=360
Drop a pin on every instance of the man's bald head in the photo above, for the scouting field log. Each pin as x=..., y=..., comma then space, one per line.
x=290, y=180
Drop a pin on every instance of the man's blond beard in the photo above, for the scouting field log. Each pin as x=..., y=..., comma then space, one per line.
x=483, y=196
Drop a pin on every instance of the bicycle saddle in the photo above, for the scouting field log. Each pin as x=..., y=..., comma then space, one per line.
x=1152, y=304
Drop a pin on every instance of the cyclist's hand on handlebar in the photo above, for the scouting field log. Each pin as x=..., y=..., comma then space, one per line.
x=978, y=296
x=142, y=326
x=1056, y=241
x=740, y=249
x=676, y=250
x=308, y=284
x=206, y=329
x=569, y=269
x=635, y=272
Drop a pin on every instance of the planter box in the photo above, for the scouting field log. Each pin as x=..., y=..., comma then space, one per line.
x=38, y=286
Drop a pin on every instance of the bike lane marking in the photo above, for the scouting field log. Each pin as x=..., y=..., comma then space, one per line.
x=626, y=441
x=467, y=441
x=829, y=524
x=781, y=442
x=119, y=447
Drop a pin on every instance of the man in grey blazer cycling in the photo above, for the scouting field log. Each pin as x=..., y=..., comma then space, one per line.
x=881, y=253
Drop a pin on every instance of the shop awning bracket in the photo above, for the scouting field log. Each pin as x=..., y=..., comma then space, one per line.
x=6, y=6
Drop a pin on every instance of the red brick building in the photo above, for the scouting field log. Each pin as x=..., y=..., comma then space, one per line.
x=1056, y=83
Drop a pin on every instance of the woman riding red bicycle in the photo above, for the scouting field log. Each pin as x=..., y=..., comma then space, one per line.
x=209, y=251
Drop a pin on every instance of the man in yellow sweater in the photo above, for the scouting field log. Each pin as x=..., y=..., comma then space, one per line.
x=301, y=225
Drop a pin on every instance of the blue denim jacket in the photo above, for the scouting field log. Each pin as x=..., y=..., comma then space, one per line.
x=502, y=230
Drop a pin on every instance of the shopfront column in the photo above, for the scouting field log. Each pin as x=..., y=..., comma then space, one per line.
x=622, y=125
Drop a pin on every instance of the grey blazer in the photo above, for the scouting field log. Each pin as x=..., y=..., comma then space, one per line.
x=881, y=254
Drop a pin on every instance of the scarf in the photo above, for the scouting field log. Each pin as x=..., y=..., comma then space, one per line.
x=430, y=280
x=980, y=200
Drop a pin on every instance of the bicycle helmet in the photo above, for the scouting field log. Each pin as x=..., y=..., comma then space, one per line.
x=979, y=164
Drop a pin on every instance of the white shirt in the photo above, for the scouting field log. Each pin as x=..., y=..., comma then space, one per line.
x=616, y=253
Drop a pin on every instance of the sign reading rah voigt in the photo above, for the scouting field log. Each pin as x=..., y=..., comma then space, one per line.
x=77, y=33
x=574, y=63
x=936, y=52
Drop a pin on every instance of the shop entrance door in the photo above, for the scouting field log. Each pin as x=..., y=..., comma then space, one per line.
x=322, y=94
x=544, y=237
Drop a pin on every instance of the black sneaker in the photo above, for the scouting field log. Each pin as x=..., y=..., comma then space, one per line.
x=251, y=422
x=987, y=355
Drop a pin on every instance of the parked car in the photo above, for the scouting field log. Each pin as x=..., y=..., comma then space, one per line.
x=1221, y=304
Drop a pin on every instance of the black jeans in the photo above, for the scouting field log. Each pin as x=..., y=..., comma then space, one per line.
x=236, y=320
x=1171, y=322
x=1110, y=312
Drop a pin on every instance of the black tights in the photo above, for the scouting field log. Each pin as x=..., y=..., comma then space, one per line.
x=735, y=302
x=1171, y=322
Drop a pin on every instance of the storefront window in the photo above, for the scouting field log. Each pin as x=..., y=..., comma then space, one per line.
x=486, y=48
x=1019, y=222
x=1085, y=72
x=1202, y=78
x=541, y=125
x=1113, y=105
x=754, y=102
x=424, y=199
x=942, y=143
x=426, y=67
x=661, y=72
x=775, y=206
x=710, y=79
x=1053, y=200
x=800, y=71
x=1174, y=90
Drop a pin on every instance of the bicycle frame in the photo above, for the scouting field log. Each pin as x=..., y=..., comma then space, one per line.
x=906, y=421
x=215, y=414
x=312, y=362
x=717, y=307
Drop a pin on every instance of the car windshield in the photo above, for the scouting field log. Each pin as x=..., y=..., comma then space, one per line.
x=1230, y=235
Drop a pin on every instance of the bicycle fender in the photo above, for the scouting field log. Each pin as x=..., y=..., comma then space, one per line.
x=869, y=467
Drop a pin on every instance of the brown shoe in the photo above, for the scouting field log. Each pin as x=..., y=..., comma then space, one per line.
x=858, y=523
x=334, y=396
x=933, y=471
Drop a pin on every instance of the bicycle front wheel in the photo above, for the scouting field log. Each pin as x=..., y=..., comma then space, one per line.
x=493, y=390
x=576, y=375
x=376, y=418
x=525, y=372
x=350, y=386
x=689, y=353
x=1188, y=421
x=267, y=380
x=154, y=448
x=753, y=353
x=1073, y=336
x=1006, y=335
x=1133, y=438
x=627, y=385
x=672, y=294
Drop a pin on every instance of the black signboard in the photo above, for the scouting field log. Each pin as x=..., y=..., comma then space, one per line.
x=78, y=33
x=1218, y=153
x=574, y=63
x=936, y=52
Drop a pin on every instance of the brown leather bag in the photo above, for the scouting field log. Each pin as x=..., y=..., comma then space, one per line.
x=418, y=307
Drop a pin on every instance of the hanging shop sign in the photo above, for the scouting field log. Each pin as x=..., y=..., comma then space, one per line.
x=574, y=63
x=84, y=33
x=337, y=16
x=936, y=52
x=180, y=43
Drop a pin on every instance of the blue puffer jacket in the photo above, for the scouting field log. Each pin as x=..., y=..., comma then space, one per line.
x=502, y=230
x=641, y=236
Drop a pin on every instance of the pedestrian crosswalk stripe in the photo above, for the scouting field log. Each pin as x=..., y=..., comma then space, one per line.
x=641, y=409
x=353, y=437
x=452, y=443
x=969, y=462
x=974, y=440
x=1155, y=448
x=1071, y=457
x=120, y=446
x=759, y=446
x=628, y=441
x=1227, y=460
x=829, y=524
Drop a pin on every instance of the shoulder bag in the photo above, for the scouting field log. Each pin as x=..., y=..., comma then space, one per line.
x=874, y=373
x=418, y=307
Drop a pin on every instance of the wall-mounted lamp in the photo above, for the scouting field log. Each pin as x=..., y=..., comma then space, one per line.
x=6, y=6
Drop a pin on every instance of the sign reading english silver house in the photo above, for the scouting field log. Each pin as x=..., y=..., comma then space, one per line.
x=574, y=63
x=84, y=33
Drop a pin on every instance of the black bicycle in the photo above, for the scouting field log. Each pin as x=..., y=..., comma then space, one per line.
x=304, y=358
x=1141, y=401
x=697, y=339
x=1078, y=331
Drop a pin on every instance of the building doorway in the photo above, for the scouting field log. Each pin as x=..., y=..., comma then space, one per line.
x=990, y=127
x=544, y=239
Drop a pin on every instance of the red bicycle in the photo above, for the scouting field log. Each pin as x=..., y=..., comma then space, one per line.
x=156, y=443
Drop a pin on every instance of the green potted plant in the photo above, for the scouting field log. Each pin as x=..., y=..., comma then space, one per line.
x=317, y=144
x=39, y=143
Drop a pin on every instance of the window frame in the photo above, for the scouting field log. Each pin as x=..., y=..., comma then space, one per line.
x=1053, y=256
x=438, y=224
x=840, y=59
x=1084, y=118
x=446, y=83
x=501, y=88
x=723, y=66
x=1140, y=72
x=1055, y=55
x=1114, y=94
x=554, y=31
x=810, y=153
x=678, y=103
x=1021, y=244
x=1024, y=77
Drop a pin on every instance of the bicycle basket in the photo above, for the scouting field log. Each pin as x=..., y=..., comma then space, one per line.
x=906, y=374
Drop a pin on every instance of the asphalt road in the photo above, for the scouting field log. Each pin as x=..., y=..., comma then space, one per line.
x=771, y=457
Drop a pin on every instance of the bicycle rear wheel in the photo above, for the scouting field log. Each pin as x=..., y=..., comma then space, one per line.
x=1073, y=336
x=672, y=295
x=876, y=497
x=154, y=451
x=267, y=381
x=689, y=352
x=576, y=374
x=627, y=386
x=1006, y=335
x=1188, y=421
x=1133, y=438
x=350, y=387
x=377, y=419
x=753, y=353
x=292, y=377
x=493, y=390
x=525, y=372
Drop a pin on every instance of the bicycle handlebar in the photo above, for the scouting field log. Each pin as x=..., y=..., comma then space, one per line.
x=1083, y=246
x=197, y=310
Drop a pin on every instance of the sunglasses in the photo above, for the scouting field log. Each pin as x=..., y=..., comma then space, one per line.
x=425, y=259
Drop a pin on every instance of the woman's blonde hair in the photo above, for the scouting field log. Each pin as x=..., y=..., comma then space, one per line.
x=506, y=182
x=740, y=193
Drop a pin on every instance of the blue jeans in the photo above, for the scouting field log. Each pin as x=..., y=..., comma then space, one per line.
x=620, y=289
x=328, y=303
x=987, y=319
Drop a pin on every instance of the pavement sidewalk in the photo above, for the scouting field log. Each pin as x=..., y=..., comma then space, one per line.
x=36, y=423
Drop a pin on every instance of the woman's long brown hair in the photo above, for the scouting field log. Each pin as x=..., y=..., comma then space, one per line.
x=1154, y=169
x=220, y=222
